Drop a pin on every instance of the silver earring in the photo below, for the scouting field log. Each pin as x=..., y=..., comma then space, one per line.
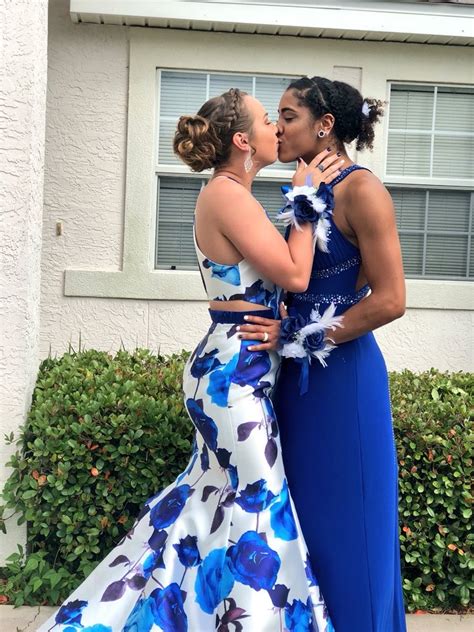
x=321, y=133
x=248, y=164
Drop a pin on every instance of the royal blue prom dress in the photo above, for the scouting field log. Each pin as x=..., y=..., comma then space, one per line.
x=339, y=455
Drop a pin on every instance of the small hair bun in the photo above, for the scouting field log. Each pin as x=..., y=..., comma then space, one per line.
x=195, y=142
x=372, y=112
x=192, y=124
x=204, y=140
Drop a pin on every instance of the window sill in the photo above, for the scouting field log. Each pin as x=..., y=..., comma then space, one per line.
x=181, y=285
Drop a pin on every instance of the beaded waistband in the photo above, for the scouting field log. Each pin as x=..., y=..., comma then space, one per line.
x=326, y=273
x=337, y=299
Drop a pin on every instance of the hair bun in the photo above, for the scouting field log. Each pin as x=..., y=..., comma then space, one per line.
x=192, y=124
x=204, y=140
x=371, y=112
x=195, y=142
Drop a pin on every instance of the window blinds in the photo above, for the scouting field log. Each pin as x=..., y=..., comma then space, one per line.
x=431, y=135
x=435, y=229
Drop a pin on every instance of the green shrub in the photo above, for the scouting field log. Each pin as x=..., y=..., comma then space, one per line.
x=104, y=433
x=434, y=431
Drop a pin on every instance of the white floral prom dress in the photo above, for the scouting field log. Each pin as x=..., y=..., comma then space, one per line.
x=220, y=549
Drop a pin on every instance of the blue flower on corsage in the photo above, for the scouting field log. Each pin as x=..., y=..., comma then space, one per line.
x=306, y=204
x=304, y=339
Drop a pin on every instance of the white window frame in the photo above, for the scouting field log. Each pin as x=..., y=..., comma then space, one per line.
x=166, y=48
x=430, y=183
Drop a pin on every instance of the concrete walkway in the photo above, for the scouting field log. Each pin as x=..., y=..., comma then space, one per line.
x=27, y=620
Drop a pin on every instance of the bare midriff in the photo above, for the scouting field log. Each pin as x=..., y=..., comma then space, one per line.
x=236, y=306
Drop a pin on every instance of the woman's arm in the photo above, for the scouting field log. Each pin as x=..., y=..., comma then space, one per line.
x=241, y=220
x=372, y=219
x=244, y=223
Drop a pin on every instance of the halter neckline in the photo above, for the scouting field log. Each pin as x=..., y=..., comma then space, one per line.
x=345, y=172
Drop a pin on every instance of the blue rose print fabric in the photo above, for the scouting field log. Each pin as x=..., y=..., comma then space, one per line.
x=221, y=548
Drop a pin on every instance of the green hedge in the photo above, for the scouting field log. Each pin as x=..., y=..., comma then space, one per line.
x=433, y=419
x=104, y=433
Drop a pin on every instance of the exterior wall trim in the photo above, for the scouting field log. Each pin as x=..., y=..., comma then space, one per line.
x=333, y=20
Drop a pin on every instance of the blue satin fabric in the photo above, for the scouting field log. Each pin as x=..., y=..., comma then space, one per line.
x=237, y=318
x=340, y=459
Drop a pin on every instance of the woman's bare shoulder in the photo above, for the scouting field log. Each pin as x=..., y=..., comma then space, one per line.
x=365, y=189
x=364, y=181
x=221, y=194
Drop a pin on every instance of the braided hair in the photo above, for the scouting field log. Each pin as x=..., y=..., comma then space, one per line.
x=204, y=140
x=345, y=103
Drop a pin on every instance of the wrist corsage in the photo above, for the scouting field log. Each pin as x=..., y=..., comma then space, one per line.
x=306, y=338
x=306, y=204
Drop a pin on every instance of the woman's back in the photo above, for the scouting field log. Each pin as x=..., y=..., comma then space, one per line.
x=238, y=283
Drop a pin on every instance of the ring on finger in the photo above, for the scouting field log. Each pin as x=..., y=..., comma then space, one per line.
x=265, y=337
x=321, y=167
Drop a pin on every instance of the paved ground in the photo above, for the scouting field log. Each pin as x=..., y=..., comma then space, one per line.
x=27, y=619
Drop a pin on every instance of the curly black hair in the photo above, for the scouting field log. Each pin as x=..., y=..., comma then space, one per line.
x=323, y=96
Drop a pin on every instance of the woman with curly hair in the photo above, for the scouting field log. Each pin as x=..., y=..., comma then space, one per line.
x=334, y=415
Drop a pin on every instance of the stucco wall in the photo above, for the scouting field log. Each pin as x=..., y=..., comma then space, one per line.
x=84, y=189
x=23, y=33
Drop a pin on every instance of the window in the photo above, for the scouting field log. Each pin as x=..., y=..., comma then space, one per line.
x=183, y=92
x=430, y=174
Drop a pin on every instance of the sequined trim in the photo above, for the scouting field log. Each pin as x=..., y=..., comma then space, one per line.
x=346, y=172
x=337, y=299
x=325, y=273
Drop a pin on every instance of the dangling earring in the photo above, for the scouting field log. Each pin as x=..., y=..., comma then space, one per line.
x=248, y=164
x=321, y=133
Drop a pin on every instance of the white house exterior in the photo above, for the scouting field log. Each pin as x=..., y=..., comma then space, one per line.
x=117, y=205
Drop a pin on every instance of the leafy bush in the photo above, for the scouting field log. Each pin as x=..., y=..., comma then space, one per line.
x=434, y=431
x=104, y=433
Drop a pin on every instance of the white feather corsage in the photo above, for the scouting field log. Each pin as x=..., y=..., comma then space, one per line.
x=301, y=338
x=306, y=204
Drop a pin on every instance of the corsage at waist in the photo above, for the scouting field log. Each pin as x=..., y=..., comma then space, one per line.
x=306, y=204
x=306, y=338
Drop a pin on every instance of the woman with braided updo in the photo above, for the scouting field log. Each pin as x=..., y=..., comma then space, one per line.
x=335, y=420
x=221, y=547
